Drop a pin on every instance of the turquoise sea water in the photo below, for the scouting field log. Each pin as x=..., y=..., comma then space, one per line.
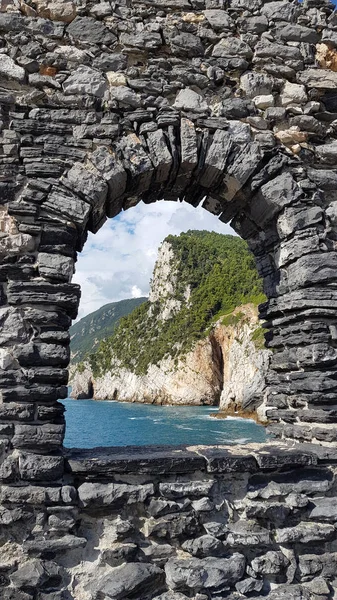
x=91, y=423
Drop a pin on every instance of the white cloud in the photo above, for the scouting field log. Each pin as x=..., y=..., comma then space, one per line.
x=136, y=292
x=117, y=262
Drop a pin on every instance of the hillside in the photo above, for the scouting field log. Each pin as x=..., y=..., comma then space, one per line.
x=89, y=331
x=198, y=277
x=196, y=340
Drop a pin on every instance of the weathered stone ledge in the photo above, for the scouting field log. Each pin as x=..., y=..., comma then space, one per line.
x=104, y=462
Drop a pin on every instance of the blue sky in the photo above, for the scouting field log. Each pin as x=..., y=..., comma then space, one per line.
x=117, y=262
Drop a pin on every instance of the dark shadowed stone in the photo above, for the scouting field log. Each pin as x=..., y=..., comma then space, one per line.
x=90, y=30
x=298, y=481
x=36, y=573
x=36, y=468
x=64, y=295
x=119, y=554
x=47, y=437
x=128, y=580
x=98, y=462
x=216, y=158
x=323, y=564
x=270, y=563
x=273, y=197
x=173, y=526
x=52, y=355
x=46, y=547
x=274, y=457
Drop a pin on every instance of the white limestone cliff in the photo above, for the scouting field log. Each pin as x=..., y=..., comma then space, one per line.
x=226, y=368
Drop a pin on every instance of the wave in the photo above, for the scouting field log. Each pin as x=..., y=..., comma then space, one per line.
x=229, y=418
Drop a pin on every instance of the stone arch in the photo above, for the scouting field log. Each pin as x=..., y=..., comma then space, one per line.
x=230, y=104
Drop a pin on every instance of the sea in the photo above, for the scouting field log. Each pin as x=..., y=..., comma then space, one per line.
x=92, y=423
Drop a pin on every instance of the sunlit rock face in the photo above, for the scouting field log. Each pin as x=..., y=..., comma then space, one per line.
x=226, y=368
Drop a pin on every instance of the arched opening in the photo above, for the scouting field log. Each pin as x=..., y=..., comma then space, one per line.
x=267, y=201
x=170, y=350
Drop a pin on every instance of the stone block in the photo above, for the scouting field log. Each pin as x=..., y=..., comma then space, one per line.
x=88, y=29
x=305, y=533
x=39, y=354
x=44, y=438
x=30, y=495
x=129, y=579
x=222, y=460
x=173, y=527
x=63, y=295
x=156, y=460
x=111, y=495
x=45, y=547
x=194, y=489
x=272, y=198
x=318, y=78
x=247, y=533
x=160, y=155
x=68, y=206
x=210, y=574
x=55, y=266
x=40, y=468
x=216, y=158
x=112, y=170
x=205, y=545
x=189, y=100
x=36, y=574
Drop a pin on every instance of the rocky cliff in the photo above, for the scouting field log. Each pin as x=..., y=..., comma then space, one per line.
x=224, y=363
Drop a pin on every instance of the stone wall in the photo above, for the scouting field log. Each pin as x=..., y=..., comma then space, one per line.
x=228, y=103
x=172, y=523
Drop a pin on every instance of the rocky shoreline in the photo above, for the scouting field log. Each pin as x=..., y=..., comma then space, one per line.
x=225, y=369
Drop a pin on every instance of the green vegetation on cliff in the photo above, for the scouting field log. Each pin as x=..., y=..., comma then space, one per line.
x=217, y=271
x=88, y=332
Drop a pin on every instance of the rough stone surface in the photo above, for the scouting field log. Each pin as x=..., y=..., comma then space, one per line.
x=229, y=105
x=232, y=104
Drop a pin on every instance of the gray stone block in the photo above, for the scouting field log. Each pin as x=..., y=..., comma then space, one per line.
x=211, y=574
x=130, y=579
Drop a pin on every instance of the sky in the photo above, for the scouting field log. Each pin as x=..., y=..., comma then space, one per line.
x=117, y=262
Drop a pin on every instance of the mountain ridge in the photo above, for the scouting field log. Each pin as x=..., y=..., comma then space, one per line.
x=86, y=334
